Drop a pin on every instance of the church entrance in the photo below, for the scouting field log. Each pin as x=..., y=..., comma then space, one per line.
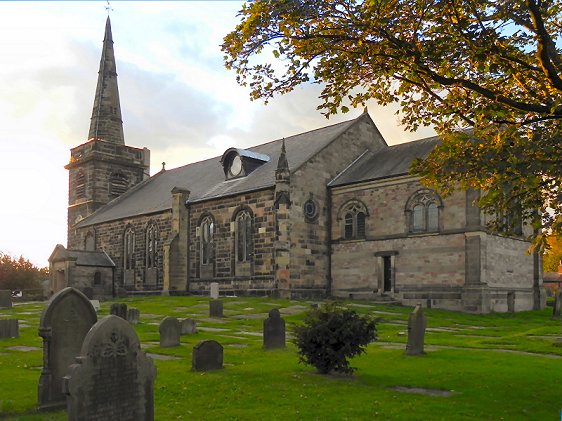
x=387, y=273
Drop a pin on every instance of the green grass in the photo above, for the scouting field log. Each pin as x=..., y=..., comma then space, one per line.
x=498, y=366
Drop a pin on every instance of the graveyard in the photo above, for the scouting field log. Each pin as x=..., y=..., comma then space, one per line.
x=484, y=367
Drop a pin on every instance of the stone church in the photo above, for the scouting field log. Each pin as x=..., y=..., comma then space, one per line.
x=329, y=212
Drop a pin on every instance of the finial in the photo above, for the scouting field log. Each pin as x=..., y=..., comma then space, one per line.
x=163, y=166
x=108, y=8
x=365, y=110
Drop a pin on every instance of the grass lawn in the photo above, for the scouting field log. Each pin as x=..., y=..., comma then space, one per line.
x=477, y=367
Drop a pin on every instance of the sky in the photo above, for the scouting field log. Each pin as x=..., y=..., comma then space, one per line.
x=177, y=99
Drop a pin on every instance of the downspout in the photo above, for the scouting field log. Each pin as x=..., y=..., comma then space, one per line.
x=329, y=241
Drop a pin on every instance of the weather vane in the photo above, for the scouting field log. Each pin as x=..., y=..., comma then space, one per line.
x=108, y=8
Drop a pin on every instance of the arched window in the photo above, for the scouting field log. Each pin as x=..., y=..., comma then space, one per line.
x=354, y=215
x=89, y=242
x=80, y=185
x=97, y=278
x=207, y=229
x=244, y=237
x=423, y=211
x=129, y=249
x=118, y=184
x=151, y=250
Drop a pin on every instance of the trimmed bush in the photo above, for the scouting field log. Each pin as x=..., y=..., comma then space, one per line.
x=331, y=335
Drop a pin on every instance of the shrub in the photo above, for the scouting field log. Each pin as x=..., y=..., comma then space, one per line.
x=332, y=334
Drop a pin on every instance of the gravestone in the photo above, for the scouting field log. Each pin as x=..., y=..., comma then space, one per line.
x=112, y=379
x=207, y=355
x=65, y=321
x=557, y=303
x=215, y=308
x=5, y=298
x=96, y=304
x=9, y=328
x=169, y=332
x=214, y=290
x=188, y=327
x=416, y=331
x=133, y=315
x=274, y=330
x=119, y=309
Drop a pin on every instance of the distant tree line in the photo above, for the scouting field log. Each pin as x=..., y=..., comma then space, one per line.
x=20, y=273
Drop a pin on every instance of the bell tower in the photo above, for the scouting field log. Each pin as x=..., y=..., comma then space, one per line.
x=103, y=168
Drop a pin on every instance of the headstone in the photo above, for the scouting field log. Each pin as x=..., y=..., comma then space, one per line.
x=112, y=379
x=188, y=327
x=416, y=331
x=557, y=303
x=9, y=328
x=274, y=330
x=215, y=308
x=96, y=304
x=214, y=290
x=169, y=332
x=119, y=309
x=207, y=355
x=5, y=298
x=133, y=315
x=65, y=321
x=511, y=302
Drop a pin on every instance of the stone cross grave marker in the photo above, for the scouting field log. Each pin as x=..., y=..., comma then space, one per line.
x=416, y=331
x=214, y=290
x=188, y=326
x=5, y=298
x=133, y=315
x=9, y=328
x=274, y=330
x=65, y=321
x=207, y=355
x=215, y=308
x=119, y=309
x=112, y=379
x=557, y=303
x=169, y=332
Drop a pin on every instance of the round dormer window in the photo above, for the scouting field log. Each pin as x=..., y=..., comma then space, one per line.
x=235, y=166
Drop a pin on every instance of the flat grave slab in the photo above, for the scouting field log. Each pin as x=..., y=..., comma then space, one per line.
x=424, y=391
x=23, y=348
x=212, y=329
x=161, y=357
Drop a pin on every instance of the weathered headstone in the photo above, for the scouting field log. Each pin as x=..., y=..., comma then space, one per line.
x=169, y=332
x=133, y=315
x=96, y=304
x=207, y=355
x=214, y=290
x=112, y=379
x=188, y=326
x=215, y=308
x=119, y=309
x=416, y=331
x=65, y=321
x=5, y=298
x=274, y=330
x=9, y=328
x=557, y=303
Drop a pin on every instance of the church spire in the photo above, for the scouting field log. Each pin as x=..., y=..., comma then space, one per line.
x=106, y=123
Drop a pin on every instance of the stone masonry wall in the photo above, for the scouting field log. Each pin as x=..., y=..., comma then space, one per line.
x=309, y=263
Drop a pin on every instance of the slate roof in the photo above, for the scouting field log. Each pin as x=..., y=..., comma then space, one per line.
x=82, y=257
x=389, y=162
x=205, y=179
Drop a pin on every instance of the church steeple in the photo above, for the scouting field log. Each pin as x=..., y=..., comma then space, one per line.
x=106, y=123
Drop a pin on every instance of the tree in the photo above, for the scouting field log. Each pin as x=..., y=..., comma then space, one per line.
x=487, y=75
x=20, y=273
x=553, y=257
x=332, y=334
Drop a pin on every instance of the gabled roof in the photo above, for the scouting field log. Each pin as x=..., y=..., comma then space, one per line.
x=205, y=179
x=388, y=162
x=82, y=257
